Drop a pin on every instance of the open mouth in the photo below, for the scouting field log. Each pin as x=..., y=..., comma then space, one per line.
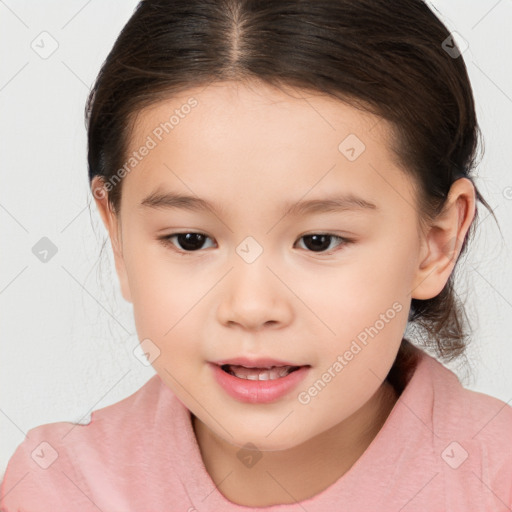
x=261, y=381
x=271, y=373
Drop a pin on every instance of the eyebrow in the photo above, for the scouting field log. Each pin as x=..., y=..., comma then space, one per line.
x=348, y=202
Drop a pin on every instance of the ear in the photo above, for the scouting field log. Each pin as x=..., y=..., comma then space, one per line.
x=443, y=242
x=112, y=222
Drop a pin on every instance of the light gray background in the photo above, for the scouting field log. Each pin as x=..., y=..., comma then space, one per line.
x=67, y=335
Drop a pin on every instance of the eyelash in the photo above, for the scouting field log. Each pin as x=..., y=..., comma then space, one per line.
x=166, y=241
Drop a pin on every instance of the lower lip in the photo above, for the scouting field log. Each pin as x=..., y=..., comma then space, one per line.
x=258, y=391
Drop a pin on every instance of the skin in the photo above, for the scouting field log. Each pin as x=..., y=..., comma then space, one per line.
x=250, y=149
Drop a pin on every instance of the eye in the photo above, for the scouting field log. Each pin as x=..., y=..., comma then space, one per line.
x=188, y=242
x=320, y=242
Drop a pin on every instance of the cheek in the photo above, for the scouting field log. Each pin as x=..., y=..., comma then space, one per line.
x=354, y=364
x=365, y=303
x=165, y=301
x=355, y=295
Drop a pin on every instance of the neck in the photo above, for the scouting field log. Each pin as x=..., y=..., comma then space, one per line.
x=300, y=472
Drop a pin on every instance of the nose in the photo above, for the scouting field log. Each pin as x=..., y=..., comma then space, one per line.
x=253, y=297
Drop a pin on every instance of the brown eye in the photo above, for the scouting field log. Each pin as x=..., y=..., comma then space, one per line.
x=319, y=242
x=185, y=242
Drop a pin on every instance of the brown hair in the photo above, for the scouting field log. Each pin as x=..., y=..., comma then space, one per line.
x=388, y=58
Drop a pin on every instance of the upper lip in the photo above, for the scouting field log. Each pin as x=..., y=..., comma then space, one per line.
x=259, y=362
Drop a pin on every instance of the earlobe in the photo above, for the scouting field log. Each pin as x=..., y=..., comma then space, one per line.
x=112, y=224
x=444, y=241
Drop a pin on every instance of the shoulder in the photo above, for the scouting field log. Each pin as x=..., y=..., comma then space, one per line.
x=472, y=430
x=467, y=413
x=54, y=464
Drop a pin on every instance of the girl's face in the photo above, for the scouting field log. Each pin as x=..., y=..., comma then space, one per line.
x=269, y=278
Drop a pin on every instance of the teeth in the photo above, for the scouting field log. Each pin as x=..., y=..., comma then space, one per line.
x=273, y=373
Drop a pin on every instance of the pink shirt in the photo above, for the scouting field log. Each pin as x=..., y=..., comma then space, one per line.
x=442, y=448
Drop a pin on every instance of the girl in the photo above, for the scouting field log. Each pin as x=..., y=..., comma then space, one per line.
x=287, y=187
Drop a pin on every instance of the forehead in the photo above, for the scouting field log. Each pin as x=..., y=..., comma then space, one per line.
x=260, y=143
